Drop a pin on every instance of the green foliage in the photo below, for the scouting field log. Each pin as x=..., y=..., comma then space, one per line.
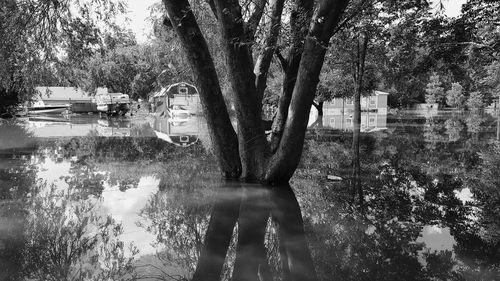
x=434, y=90
x=455, y=96
x=475, y=101
x=492, y=79
x=453, y=128
x=334, y=83
x=34, y=35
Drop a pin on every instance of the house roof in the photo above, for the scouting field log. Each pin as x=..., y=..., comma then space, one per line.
x=65, y=93
x=182, y=88
x=380, y=93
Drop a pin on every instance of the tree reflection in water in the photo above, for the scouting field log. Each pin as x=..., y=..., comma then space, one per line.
x=220, y=232
x=411, y=179
x=66, y=239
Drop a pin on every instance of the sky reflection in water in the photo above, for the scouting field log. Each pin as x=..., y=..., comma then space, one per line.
x=428, y=183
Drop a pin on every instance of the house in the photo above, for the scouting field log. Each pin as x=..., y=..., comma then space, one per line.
x=77, y=99
x=376, y=102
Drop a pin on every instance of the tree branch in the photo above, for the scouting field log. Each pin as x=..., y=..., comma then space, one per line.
x=212, y=7
x=356, y=11
x=253, y=22
x=287, y=156
x=263, y=63
x=300, y=18
x=282, y=60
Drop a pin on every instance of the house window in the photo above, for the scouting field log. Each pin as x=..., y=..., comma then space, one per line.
x=349, y=121
x=372, y=102
x=371, y=121
x=348, y=102
x=332, y=122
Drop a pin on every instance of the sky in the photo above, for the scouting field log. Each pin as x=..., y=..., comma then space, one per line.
x=138, y=13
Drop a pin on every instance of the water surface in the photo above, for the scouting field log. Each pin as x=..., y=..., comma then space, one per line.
x=86, y=198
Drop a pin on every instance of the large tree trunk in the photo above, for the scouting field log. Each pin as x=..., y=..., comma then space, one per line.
x=221, y=131
x=284, y=161
x=251, y=137
x=300, y=17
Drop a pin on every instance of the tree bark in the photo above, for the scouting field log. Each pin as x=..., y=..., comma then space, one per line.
x=254, y=19
x=264, y=60
x=252, y=140
x=287, y=156
x=221, y=131
x=300, y=19
x=319, y=107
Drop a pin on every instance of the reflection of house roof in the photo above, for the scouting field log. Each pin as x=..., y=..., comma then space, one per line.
x=178, y=140
x=65, y=93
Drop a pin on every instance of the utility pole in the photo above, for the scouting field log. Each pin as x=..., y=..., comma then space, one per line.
x=497, y=103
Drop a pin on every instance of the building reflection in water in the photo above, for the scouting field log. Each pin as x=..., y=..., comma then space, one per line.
x=222, y=249
x=182, y=133
x=343, y=118
x=78, y=126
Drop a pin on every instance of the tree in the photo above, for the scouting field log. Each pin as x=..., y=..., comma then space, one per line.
x=434, y=90
x=480, y=18
x=455, y=96
x=475, y=101
x=34, y=34
x=247, y=154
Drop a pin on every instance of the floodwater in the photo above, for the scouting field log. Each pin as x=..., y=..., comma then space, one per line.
x=85, y=198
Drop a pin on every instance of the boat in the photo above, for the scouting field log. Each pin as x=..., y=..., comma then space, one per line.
x=113, y=103
x=39, y=107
